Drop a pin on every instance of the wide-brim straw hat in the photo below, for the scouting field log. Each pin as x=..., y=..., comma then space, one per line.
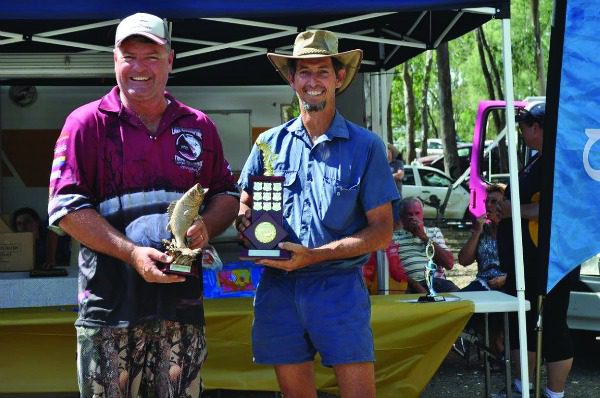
x=318, y=44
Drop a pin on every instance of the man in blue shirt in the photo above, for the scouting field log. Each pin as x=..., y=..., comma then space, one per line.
x=337, y=209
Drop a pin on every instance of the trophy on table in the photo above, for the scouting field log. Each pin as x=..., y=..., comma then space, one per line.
x=266, y=230
x=430, y=269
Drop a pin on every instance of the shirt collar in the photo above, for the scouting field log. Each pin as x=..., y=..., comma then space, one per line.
x=111, y=102
x=337, y=129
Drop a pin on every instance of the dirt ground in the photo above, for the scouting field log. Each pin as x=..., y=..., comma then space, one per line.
x=455, y=378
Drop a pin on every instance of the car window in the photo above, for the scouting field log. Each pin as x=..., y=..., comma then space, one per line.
x=464, y=151
x=431, y=178
x=495, y=169
x=409, y=177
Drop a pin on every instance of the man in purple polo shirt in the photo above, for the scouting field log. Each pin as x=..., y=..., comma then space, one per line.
x=337, y=209
x=118, y=163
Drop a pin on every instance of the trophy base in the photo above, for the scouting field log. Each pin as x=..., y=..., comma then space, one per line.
x=430, y=299
x=179, y=269
x=271, y=254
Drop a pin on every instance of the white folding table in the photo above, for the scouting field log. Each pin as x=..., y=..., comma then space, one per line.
x=489, y=302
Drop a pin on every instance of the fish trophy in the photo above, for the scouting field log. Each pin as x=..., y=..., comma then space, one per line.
x=430, y=269
x=182, y=214
x=266, y=231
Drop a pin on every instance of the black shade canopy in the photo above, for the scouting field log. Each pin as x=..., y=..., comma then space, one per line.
x=224, y=42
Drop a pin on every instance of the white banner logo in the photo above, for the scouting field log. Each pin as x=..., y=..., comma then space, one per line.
x=593, y=136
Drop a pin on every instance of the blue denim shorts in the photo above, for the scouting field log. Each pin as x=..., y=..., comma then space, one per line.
x=297, y=316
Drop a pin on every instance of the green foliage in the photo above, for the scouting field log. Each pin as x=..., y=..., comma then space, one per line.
x=468, y=85
x=291, y=111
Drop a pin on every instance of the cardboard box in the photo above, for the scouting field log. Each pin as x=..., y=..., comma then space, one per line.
x=17, y=251
x=4, y=224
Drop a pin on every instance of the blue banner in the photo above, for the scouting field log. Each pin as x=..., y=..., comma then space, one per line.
x=575, y=230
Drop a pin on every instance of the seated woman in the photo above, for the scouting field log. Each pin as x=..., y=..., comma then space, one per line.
x=482, y=245
x=50, y=249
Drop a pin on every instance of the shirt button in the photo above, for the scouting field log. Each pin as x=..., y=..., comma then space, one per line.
x=338, y=193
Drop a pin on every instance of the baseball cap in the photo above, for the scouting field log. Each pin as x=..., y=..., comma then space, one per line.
x=535, y=112
x=147, y=25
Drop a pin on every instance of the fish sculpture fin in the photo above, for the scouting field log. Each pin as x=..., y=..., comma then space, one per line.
x=170, y=211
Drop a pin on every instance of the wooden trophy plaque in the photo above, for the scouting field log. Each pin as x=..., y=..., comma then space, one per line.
x=266, y=230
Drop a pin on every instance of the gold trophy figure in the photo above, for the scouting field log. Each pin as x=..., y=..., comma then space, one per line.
x=182, y=214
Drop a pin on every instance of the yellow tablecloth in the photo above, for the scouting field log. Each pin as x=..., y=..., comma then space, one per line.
x=37, y=347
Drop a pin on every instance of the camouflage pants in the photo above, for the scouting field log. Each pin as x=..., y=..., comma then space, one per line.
x=159, y=359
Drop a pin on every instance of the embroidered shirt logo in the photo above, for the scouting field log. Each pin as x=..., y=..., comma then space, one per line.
x=188, y=147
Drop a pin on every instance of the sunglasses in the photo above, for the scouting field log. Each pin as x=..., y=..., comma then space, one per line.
x=493, y=202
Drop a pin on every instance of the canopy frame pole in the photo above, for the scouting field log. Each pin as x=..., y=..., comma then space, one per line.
x=447, y=29
x=515, y=200
x=218, y=61
x=383, y=97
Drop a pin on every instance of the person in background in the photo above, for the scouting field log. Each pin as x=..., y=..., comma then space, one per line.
x=50, y=249
x=119, y=162
x=557, y=344
x=412, y=240
x=398, y=280
x=396, y=166
x=337, y=210
x=482, y=245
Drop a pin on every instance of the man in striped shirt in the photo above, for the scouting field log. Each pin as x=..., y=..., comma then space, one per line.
x=412, y=239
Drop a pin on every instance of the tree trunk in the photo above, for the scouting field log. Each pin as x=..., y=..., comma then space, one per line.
x=448, y=128
x=409, y=111
x=433, y=126
x=486, y=75
x=425, y=107
x=539, y=58
x=390, y=133
x=498, y=117
x=495, y=73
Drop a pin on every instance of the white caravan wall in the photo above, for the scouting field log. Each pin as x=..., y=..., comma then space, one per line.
x=234, y=129
x=55, y=103
x=236, y=105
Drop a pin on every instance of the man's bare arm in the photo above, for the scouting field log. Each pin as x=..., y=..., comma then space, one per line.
x=443, y=257
x=216, y=217
x=93, y=231
x=376, y=235
x=529, y=211
x=219, y=213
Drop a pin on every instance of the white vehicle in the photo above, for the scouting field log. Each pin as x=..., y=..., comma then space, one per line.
x=431, y=186
x=434, y=147
x=583, y=311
